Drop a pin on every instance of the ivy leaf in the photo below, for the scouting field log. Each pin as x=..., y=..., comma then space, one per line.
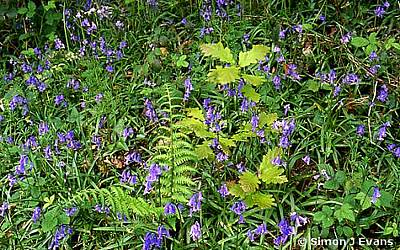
x=235, y=189
x=359, y=41
x=345, y=212
x=257, y=53
x=218, y=51
x=253, y=80
x=250, y=93
x=263, y=200
x=223, y=75
x=270, y=173
x=249, y=182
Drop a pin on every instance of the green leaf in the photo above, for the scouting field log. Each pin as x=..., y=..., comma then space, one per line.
x=195, y=113
x=359, y=41
x=345, y=212
x=267, y=119
x=270, y=173
x=31, y=6
x=227, y=142
x=204, y=151
x=242, y=136
x=327, y=222
x=312, y=85
x=250, y=93
x=22, y=11
x=370, y=48
x=218, y=51
x=365, y=201
x=50, y=220
x=253, y=80
x=63, y=218
x=331, y=184
x=235, y=189
x=319, y=216
x=223, y=75
x=249, y=182
x=327, y=211
x=257, y=53
x=348, y=231
x=396, y=46
x=372, y=38
x=263, y=200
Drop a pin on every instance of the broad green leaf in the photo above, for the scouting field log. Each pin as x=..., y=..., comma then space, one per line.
x=195, y=113
x=235, y=189
x=242, y=136
x=396, y=46
x=227, y=142
x=31, y=6
x=257, y=53
x=270, y=173
x=327, y=210
x=198, y=127
x=267, y=119
x=312, y=85
x=359, y=41
x=319, y=216
x=253, y=80
x=223, y=75
x=365, y=201
x=263, y=200
x=249, y=182
x=345, y=212
x=372, y=38
x=217, y=51
x=250, y=93
x=50, y=220
x=204, y=151
x=327, y=222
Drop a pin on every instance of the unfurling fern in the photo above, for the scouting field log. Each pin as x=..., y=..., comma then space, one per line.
x=175, y=151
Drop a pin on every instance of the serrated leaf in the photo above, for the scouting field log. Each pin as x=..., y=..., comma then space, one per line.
x=227, y=142
x=359, y=41
x=223, y=75
x=249, y=182
x=242, y=136
x=312, y=85
x=270, y=173
x=198, y=127
x=253, y=80
x=257, y=53
x=263, y=200
x=204, y=151
x=218, y=51
x=235, y=189
x=50, y=220
x=345, y=212
x=250, y=93
x=267, y=119
x=195, y=113
x=319, y=216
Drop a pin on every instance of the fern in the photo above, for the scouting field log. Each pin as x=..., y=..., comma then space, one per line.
x=176, y=152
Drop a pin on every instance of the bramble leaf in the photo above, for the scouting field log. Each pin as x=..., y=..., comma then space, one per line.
x=249, y=182
x=270, y=173
x=223, y=75
x=218, y=51
x=250, y=93
x=235, y=189
x=257, y=53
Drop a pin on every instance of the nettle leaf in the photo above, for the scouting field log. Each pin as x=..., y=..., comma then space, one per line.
x=270, y=173
x=345, y=212
x=359, y=41
x=263, y=200
x=250, y=93
x=235, y=189
x=253, y=80
x=249, y=182
x=257, y=53
x=218, y=51
x=223, y=75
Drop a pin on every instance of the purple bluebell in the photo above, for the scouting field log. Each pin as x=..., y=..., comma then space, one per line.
x=96, y=140
x=306, y=159
x=336, y=90
x=375, y=195
x=383, y=93
x=250, y=235
x=299, y=220
x=223, y=190
x=254, y=122
x=238, y=207
x=3, y=209
x=379, y=11
x=195, y=231
x=47, y=152
x=109, y=68
x=169, y=209
x=360, y=130
x=133, y=157
x=382, y=131
x=277, y=82
x=240, y=167
x=43, y=128
x=286, y=230
x=59, y=99
x=277, y=161
x=195, y=203
x=345, y=38
x=373, y=56
x=188, y=89
x=150, y=113
x=36, y=214
x=11, y=180
x=351, y=78
x=99, y=97
x=154, y=174
x=58, y=44
x=70, y=211
x=127, y=177
x=62, y=232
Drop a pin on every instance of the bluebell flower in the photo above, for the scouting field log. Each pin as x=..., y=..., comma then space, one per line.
x=150, y=113
x=360, y=130
x=154, y=174
x=379, y=11
x=195, y=203
x=306, y=159
x=254, y=122
x=195, y=231
x=382, y=131
x=345, y=38
x=70, y=211
x=383, y=93
x=127, y=177
x=277, y=82
x=62, y=232
x=11, y=180
x=36, y=214
x=133, y=157
x=169, y=209
x=188, y=89
x=375, y=195
x=223, y=190
x=58, y=44
x=3, y=209
x=299, y=220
